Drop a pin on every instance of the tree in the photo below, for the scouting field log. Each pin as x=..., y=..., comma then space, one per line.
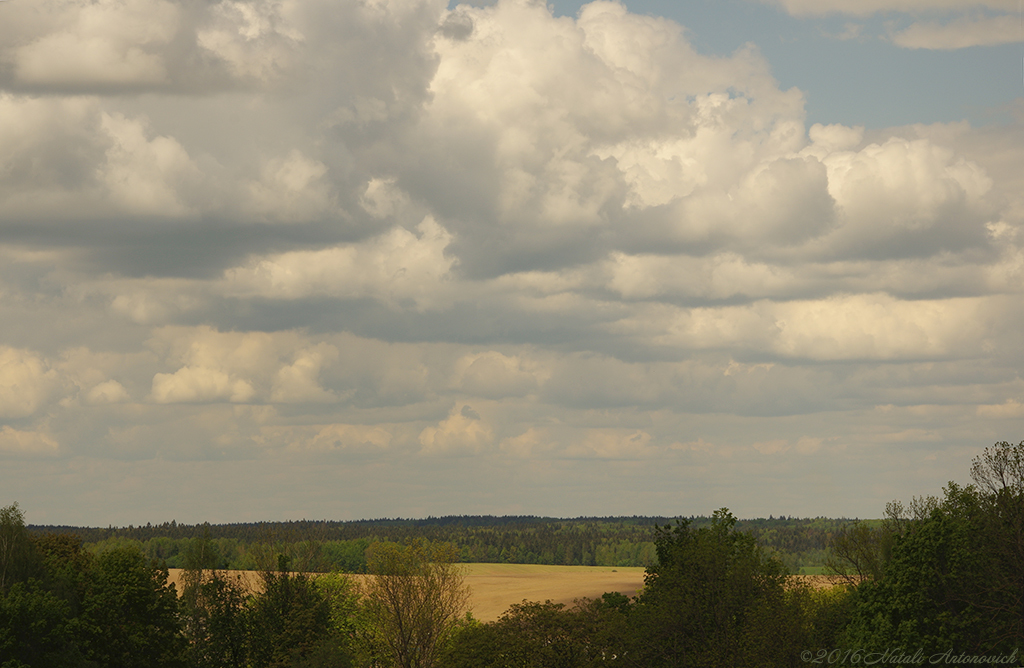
x=714, y=598
x=17, y=562
x=956, y=574
x=414, y=598
x=289, y=621
x=130, y=613
x=36, y=629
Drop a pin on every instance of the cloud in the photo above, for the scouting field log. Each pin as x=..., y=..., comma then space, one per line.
x=461, y=433
x=255, y=40
x=191, y=384
x=494, y=375
x=26, y=382
x=397, y=267
x=843, y=327
x=30, y=444
x=869, y=7
x=107, y=392
x=106, y=44
x=1009, y=409
x=612, y=444
x=531, y=443
x=343, y=437
x=960, y=33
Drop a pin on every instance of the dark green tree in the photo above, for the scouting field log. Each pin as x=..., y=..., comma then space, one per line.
x=130, y=613
x=289, y=621
x=214, y=621
x=18, y=561
x=544, y=635
x=714, y=598
x=36, y=629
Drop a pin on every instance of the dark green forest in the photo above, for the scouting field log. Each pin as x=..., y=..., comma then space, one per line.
x=938, y=580
x=583, y=541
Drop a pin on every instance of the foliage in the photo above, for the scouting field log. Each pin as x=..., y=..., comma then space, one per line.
x=213, y=616
x=955, y=579
x=543, y=635
x=601, y=541
x=35, y=629
x=414, y=598
x=288, y=621
x=129, y=613
x=714, y=598
x=17, y=562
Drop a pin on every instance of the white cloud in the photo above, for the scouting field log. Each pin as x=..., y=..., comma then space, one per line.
x=256, y=40
x=848, y=327
x=106, y=43
x=531, y=443
x=143, y=175
x=26, y=382
x=1009, y=409
x=775, y=447
x=192, y=384
x=396, y=267
x=342, y=437
x=613, y=444
x=382, y=198
x=284, y=233
x=298, y=382
x=292, y=189
x=461, y=433
x=27, y=443
x=107, y=392
x=282, y=367
x=960, y=33
x=869, y=7
x=494, y=375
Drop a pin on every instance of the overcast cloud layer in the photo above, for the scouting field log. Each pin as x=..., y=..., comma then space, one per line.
x=364, y=258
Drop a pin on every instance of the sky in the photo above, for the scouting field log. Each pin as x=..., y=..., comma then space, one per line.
x=343, y=259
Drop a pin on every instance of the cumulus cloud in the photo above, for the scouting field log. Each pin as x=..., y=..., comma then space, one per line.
x=461, y=433
x=494, y=375
x=110, y=43
x=397, y=267
x=26, y=382
x=189, y=384
x=107, y=392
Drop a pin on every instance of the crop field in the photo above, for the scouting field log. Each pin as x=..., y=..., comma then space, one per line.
x=494, y=587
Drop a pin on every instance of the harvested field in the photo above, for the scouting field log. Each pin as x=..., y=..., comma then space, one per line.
x=494, y=587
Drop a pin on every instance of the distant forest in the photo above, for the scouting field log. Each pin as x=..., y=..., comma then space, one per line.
x=801, y=544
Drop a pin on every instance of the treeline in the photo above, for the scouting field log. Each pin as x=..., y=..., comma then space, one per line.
x=599, y=541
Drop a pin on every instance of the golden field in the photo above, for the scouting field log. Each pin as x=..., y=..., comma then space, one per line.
x=494, y=587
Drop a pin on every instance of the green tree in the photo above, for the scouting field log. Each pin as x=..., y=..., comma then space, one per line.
x=36, y=629
x=130, y=613
x=414, y=599
x=17, y=559
x=956, y=578
x=714, y=598
x=289, y=621
x=214, y=621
